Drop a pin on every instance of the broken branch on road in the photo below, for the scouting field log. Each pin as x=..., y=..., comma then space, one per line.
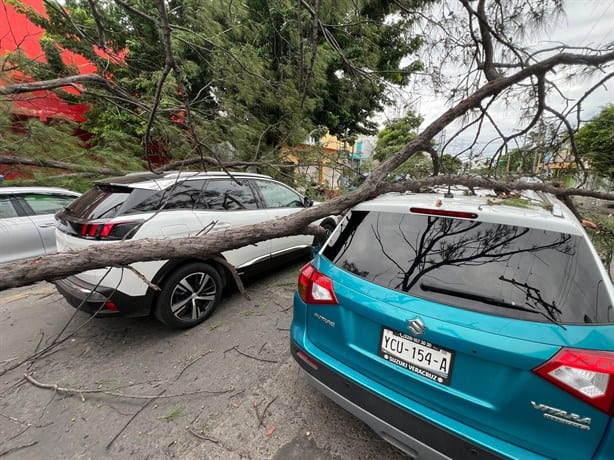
x=204, y=438
x=82, y=392
x=251, y=356
x=259, y=416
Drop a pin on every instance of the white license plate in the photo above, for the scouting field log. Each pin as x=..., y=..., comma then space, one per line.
x=417, y=355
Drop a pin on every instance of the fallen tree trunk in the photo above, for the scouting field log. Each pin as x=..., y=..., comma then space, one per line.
x=123, y=253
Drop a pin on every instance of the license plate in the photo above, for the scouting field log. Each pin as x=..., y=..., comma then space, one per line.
x=417, y=355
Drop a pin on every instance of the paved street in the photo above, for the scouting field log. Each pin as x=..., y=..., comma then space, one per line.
x=225, y=389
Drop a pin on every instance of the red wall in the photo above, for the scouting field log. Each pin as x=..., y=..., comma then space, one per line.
x=17, y=32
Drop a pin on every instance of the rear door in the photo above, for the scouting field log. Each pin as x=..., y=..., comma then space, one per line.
x=19, y=235
x=42, y=208
x=435, y=315
x=225, y=204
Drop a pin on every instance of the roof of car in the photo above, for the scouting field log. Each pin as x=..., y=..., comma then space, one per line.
x=15, y=189
x=149, y=180
x=534, y=210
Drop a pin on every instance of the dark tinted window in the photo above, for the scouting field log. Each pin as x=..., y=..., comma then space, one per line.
x=498, y=269
x=183, y=195
x=105, y=202
x=228, y=195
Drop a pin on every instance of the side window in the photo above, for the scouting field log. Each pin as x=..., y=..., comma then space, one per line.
x=279, y=196
x=47, y=203
x=185, y=195
x=6, y=208
x=228, y=195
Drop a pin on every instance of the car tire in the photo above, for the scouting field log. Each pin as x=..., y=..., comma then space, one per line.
x=189, y=295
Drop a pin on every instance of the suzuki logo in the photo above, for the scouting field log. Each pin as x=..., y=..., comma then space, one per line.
x=416, y=326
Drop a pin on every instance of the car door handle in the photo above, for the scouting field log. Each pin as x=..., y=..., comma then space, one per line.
x=47, y=225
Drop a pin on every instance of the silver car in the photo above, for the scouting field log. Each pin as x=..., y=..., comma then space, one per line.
x=27, y=224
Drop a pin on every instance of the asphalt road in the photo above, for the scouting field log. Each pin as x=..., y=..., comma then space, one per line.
x=226, y=389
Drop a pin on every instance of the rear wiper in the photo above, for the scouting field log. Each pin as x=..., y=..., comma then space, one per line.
x=485, y=299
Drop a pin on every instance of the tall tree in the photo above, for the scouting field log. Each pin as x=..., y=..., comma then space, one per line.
x=242, y=78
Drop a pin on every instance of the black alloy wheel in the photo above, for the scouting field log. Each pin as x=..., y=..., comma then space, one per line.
x=189, y=295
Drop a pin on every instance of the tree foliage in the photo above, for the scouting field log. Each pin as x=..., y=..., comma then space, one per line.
x=451, y=164
x=516, y=161
x=395, y=135
x=252, y=75
x=595, y=141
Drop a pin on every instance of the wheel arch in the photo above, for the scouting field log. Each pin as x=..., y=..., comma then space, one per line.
x=173, y=264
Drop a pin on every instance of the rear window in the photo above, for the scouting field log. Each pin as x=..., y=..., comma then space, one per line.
x=105, y=202
x=108, y=201
x=498, y=269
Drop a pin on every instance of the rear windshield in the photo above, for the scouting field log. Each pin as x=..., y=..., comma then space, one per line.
x=498, y=269
x=106, y=201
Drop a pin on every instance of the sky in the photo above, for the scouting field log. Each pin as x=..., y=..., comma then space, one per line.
x=587, y=23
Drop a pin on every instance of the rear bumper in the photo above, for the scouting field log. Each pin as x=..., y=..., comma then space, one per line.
x=413, y=435
x=101, y=300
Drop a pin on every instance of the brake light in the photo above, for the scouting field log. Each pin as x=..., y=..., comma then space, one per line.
x=444, y=213
x=106, y=230
x=314, y=287
x=109, y=230
x=586, y=374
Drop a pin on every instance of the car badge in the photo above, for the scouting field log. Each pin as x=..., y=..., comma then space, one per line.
x=416, y=326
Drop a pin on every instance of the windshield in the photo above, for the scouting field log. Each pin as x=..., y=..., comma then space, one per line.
x=498, y=269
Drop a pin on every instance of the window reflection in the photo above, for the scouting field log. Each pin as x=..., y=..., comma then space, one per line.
x=228, y=195
x=526, y=269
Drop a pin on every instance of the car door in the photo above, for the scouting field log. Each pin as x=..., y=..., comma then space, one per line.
x=19, y=236
x=41, y=208
x=224, y=204
x=280, y=201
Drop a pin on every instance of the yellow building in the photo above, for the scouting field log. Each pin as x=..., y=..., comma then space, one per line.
x=325, y=161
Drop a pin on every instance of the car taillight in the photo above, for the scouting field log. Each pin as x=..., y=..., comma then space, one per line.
x=587, y=374
x=109, y=230
x=444, y=213
x=314, y=287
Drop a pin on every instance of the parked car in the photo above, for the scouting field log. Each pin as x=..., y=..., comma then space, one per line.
x=463, y=327
x=27, y=225
x=170, y=206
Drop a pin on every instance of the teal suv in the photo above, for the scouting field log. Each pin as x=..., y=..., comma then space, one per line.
x=463, y=327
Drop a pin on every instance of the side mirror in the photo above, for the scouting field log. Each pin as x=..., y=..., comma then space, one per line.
x=307, y=202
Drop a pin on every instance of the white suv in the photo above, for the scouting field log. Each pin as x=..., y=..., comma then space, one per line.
x=170, y=206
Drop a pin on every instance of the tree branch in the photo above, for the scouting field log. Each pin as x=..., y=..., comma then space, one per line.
x=15, y=160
